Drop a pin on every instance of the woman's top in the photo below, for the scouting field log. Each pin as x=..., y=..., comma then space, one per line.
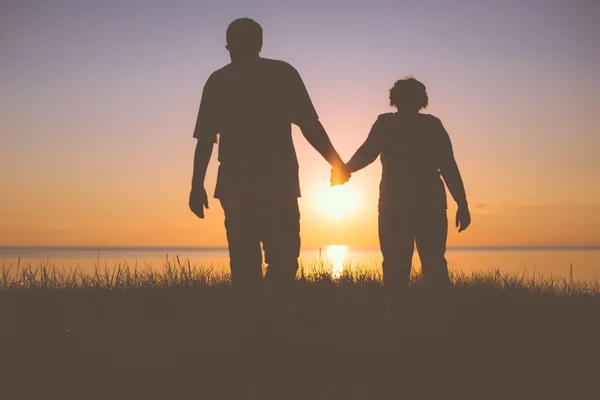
x=415, y=150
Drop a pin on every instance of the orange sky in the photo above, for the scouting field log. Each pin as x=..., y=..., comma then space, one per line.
x=97, y=114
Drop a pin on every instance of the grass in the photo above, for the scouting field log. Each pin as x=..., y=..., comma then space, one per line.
x=127, y=332
x=177, y=274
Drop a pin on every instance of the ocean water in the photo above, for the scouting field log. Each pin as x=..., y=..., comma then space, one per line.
x=543, y=262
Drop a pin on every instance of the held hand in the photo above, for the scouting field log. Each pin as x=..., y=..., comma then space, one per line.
x=198, y=200
x=463, y=218
x=339, y=175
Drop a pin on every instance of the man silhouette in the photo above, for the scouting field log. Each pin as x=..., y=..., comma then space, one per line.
x=251, y=103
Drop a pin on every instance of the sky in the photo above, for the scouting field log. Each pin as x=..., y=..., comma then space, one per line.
x=98, y=103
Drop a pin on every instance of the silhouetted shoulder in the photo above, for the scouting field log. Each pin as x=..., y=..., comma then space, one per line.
x=432, y=119
x=281, y=71
x=436, y=129
x=434, y=126
x=385, y=118
x=219, y=74
x=278, y=64
x=275, y=69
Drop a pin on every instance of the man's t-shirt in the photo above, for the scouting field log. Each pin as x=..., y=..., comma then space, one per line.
x=252, y=105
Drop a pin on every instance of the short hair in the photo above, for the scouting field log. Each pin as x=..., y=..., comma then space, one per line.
x=244, y=34
x=408, y=94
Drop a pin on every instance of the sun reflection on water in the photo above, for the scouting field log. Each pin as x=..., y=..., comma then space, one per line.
x=336, y=254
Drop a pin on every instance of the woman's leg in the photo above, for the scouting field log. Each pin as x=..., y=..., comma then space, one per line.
x=396, y=240
x=431, y=232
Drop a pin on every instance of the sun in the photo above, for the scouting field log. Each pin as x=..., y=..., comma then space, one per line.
x=338, y=201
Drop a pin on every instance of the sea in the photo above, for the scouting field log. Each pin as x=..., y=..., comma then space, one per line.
x=576, y=263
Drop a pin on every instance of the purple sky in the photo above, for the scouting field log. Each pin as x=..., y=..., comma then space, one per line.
x=98, y=101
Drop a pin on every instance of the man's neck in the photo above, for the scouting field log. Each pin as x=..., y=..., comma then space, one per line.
x=244, y=58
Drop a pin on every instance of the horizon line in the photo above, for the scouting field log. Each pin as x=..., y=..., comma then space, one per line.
x=458, y=247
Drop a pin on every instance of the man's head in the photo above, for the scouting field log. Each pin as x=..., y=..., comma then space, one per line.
x=244, y=38
x=408, y=94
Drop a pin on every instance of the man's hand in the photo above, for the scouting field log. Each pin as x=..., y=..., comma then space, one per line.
x=339, y=175
x=198, y=200
x=463, y=218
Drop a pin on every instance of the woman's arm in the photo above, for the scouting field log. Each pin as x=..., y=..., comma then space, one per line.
x=451, y=175
x=369, y=151
x=449, y=169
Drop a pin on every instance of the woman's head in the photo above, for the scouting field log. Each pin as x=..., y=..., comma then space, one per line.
x=408, y=94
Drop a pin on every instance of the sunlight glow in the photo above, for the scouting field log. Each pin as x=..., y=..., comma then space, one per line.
x=337, y=201
x=337, y=254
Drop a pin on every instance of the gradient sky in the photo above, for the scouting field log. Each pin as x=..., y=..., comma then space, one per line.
x=98, y=101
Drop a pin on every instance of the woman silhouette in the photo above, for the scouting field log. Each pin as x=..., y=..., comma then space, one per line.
x=416, y=153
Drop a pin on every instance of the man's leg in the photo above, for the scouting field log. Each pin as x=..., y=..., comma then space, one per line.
x=281, y=243
x=245, y=260
x=396, y=240
x=245, y=257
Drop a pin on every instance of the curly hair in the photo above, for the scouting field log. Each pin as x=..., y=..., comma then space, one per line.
x=244, y=34
x=408, y=94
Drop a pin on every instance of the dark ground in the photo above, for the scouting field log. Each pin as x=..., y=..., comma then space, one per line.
x=181, y=343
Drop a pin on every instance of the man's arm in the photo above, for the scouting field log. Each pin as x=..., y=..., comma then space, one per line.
x=206, y=131
x=315, y=134
x=198, y=197
x=303, y=114
x=202, y=156
x=368, y=152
